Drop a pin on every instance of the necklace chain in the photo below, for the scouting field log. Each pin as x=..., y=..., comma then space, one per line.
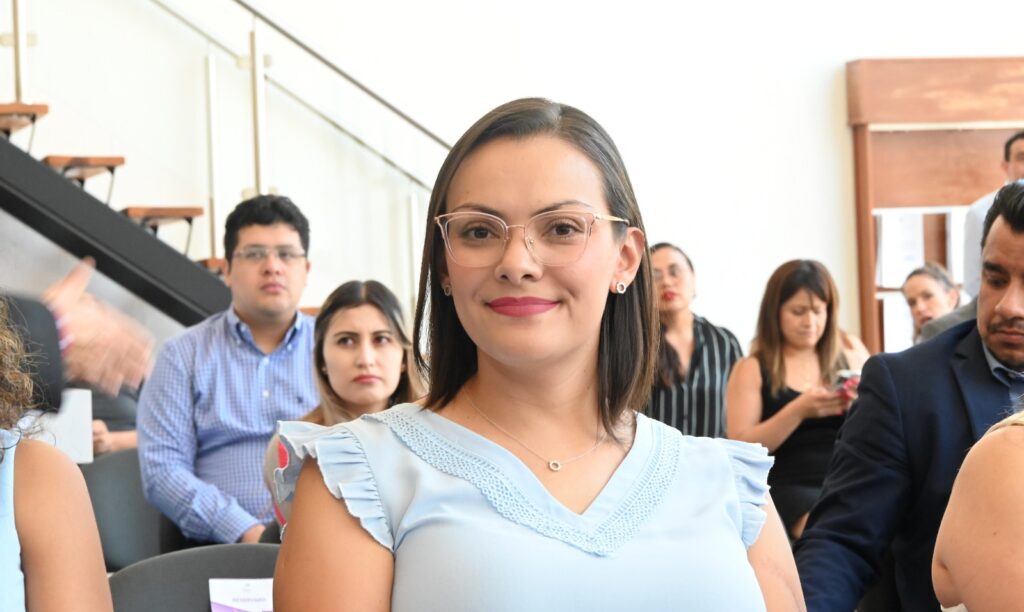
x=553, y=464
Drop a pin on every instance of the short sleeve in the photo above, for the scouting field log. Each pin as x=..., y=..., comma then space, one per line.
x=344, y=468
x=750, y=464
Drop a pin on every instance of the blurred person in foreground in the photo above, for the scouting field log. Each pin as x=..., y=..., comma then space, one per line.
x=50, y=554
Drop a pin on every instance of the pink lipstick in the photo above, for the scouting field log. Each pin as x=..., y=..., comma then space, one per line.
x=521, y=307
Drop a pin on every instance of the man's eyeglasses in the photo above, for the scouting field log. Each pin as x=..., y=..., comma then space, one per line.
x=556, y=238
x=258, y=254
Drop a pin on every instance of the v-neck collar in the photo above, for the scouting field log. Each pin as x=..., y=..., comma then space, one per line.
x=635, y=488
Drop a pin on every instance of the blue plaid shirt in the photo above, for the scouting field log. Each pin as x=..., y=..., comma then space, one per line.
x=206, y=415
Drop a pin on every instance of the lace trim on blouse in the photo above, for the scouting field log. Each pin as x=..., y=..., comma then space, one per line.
x=646, y=493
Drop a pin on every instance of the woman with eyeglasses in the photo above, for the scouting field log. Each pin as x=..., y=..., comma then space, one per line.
x=528, y=479
x=362, y=364
x=695, y=357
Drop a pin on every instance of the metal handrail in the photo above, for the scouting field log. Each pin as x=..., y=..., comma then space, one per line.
x=326, y=62
x=212, y=40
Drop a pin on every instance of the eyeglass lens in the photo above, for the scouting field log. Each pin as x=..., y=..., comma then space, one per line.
x=554, y=238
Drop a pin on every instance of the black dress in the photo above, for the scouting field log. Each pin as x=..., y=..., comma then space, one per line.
x=801, y=462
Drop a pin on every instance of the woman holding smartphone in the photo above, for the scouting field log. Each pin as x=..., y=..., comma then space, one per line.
x=792, y=392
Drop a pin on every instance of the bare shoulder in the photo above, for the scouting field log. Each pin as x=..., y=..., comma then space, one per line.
x=60, y=547
x=39, y=465
x=855, y=351
x=39, y=471
x=747, y=370
x=996, y=454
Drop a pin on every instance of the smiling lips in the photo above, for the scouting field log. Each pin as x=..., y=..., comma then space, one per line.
x=521, y=307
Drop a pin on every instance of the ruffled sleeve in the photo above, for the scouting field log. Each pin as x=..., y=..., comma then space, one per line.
x=750, y=464
x=344, y=468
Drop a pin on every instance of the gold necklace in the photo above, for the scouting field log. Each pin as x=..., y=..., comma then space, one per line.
x=553, y=464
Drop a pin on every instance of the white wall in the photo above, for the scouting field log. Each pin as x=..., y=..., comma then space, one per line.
x=731, y=116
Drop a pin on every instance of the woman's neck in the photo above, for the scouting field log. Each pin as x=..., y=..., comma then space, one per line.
x=333, y=414
x=799, y=353
x=679, y=321
x=541, y=399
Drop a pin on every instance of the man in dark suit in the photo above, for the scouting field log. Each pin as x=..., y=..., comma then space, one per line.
x=917, y=415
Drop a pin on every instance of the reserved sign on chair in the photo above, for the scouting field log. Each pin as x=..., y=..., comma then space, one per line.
x=241, y=594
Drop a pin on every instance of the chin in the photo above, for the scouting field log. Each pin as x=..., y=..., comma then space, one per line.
x=1013, y=359
x=523, y=353
x=274, y=311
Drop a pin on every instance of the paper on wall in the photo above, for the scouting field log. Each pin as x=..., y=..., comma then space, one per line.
x=900, y=247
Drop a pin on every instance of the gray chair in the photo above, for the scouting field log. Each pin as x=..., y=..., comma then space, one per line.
x=179, y=581
x=129, y=526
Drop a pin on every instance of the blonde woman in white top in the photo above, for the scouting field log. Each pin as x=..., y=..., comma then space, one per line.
x=979, y=554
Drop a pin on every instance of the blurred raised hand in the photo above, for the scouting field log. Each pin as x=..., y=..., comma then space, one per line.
x=104, y=348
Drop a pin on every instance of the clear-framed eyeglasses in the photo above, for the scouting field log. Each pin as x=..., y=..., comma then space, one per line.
x=259, y=254
x=555, y=238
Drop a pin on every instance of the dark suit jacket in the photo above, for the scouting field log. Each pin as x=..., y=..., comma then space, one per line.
x=897, y=454
x=34, y=323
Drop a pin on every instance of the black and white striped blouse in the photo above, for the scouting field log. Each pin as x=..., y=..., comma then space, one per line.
x=696, y=405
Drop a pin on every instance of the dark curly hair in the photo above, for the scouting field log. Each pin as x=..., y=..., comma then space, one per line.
x=15, y=383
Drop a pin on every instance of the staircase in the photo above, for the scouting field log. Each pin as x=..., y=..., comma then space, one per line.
x=125, y=251
x=50, y=194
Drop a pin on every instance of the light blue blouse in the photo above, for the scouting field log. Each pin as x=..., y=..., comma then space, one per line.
x=12, y=581
x=471, y=528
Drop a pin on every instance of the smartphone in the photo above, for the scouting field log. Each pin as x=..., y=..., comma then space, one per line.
x=846, y=382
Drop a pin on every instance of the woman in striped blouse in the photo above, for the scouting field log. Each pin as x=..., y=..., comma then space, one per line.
x=695, y=357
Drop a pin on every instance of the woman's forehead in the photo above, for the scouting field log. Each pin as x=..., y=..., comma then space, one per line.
x=517, y=177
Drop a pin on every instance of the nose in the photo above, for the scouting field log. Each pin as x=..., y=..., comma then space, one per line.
x=517, y=262
x=367, y=355
x=272, y=263
x=1011, y=302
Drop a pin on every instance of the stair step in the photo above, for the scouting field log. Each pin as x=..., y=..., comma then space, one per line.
x=154, y=216
x=15, y=116
x=217, y=265
x=82, y=167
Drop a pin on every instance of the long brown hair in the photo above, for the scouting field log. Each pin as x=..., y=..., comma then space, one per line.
x=667, y=372
x=629, y=333
x=15, y=383
x=350, y=295
x=785, y=282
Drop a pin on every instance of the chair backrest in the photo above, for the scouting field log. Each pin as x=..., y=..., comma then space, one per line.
x=179, y=581
x=129, y=526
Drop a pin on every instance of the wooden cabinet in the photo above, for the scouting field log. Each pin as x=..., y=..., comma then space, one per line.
x=927, y=133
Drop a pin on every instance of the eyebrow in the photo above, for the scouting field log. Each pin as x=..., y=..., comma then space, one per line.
x=989, y=266
x=491, y=211
x=269, y=246
x=346, y=332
